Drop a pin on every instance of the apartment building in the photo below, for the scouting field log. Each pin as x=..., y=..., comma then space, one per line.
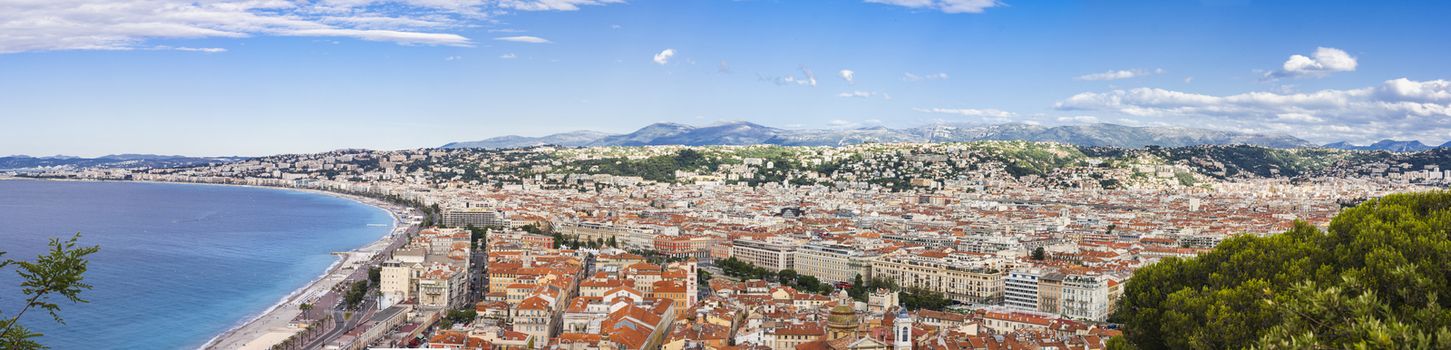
x=1085, y=297
x=1020, y=289
x=831, y=262
x=963, y=281
x=774, y=254
x=475, y=216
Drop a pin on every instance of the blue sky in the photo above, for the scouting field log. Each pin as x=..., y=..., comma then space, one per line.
x=255, y=77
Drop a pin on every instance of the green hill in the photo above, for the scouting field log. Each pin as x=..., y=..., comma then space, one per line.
x=1375, y=279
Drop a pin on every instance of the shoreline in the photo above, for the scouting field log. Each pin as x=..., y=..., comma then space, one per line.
x=278, y=316
x=276, y=319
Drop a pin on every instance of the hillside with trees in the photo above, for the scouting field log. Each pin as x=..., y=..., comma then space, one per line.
x=1377, y=278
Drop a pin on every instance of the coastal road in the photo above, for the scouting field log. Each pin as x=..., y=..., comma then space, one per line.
x=342, y=326
x=333, y=299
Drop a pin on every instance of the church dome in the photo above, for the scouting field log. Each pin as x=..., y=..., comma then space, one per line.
x=842, y=317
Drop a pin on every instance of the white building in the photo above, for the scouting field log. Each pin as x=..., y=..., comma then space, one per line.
x=774, y=254
x=1085, y=297
x=1020, y=289
x=831, y=262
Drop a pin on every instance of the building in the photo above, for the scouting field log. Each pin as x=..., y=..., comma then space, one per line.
x=960, y=280
x=397, y=282
x=476, y=217
x=1020, y=289
x=443, y=286
x=1085, y=297
x=774, y=254
x=831, y=263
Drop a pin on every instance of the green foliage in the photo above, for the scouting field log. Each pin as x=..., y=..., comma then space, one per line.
x=1030, y=158
x=1040, y=254
x=860, y=289
x=1374, y=279
x=658, y=168
x=375, y=274
x=1185, y=179
x=59, y=272
x=917, y=298
x=744, y=270
x=460, y=316
x=356, y=293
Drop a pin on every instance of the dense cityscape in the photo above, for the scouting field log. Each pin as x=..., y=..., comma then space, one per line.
x=992, y=244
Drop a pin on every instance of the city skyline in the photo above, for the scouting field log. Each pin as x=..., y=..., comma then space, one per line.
x=257, y=77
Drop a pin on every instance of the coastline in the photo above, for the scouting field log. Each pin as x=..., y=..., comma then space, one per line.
x=272, y=325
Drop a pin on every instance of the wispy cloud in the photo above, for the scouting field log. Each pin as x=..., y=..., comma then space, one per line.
x=524, y=39
x=970, y=112
x=923, y=77
x=1121, y=74
x=551, y=5
x=848, y=75
x=864, y=94
x=129, y=24
x=948, y=6
x=807, y=78
x=664, y=56
x=1078, y=119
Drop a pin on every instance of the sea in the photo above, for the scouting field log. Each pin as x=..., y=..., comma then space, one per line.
x=179, y=263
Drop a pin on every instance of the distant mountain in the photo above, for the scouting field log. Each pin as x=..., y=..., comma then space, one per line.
x=576, y=138
x=737, y=133
x=745, y=133
x=126, y=161
x=1385, y=145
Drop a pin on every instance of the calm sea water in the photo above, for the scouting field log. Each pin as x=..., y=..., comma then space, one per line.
x=179, y=263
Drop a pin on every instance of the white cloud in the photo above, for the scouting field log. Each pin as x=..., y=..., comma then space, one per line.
x=839, y=123
x=807, y=78
x=50, y=25
x=864, y=94
x=664, y=56
x=915, y=77
x=453, y=58
x=1399, y=108
x=1324, y=61
x=970, y=112
x=524, y=39
x=848, y=75
x=509, y=56
x=948, y=6
x=1078, y=119
x=552, y=5
x=192, y=49
x=1121, y=74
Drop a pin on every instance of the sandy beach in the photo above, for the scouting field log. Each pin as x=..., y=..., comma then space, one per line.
x=275, y=324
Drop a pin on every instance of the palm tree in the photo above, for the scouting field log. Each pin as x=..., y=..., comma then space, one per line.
x=305, y=307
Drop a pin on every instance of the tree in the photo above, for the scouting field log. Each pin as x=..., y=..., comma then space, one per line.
x=787, y=276
x=59, y=272
x=375, y=274
x=1040, y=254
x=1376, y=278
x=305, y=307
x=858, y=289
x=356, y=293
x=460, y=316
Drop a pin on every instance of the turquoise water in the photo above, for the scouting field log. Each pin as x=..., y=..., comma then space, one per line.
x=179, y=263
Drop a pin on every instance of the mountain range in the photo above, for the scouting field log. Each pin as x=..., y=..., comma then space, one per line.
x=745, y=133
x=1388, y=145
x=22, y=162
